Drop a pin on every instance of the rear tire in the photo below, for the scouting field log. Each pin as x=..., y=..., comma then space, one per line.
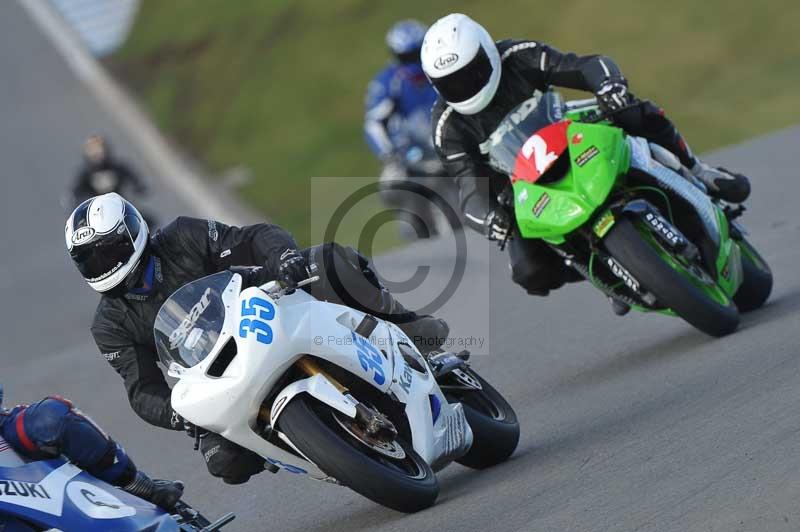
x=626, y=245
x=495, y=429
x=310, y=425
x=756, y=279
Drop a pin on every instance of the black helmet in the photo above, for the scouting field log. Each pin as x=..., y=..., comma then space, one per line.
x=106, y=238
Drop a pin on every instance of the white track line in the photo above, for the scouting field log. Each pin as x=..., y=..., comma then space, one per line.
x=191, y=188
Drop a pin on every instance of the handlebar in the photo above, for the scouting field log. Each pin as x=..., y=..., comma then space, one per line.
x=605, y=116
x=276, y=289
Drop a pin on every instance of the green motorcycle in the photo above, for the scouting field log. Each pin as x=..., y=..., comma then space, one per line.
x=626, y=215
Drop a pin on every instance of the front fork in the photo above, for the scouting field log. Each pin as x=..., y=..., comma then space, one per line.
x=374, y=423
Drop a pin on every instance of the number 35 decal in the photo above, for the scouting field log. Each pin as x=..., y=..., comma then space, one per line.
x=261, y=311
x=370, y=358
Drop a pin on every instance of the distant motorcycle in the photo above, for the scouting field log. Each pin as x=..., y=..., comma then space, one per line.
x=424, y=196
x=53, y=495
x=324, y=390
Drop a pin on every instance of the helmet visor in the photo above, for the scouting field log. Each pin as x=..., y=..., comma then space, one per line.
x=409, y=58
x=467, y=81
x=107, y=254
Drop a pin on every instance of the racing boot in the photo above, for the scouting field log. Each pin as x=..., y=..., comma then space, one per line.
x=162, y=493
x=618, y=307
x=427, y=333
x=723, y=184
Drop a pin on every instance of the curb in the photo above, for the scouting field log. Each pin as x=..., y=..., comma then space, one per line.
x=199, y=195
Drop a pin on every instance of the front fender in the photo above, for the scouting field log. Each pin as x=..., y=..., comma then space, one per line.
x=318, y=387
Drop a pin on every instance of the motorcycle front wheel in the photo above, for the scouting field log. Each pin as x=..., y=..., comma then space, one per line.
x=391, y=474
x=686, y=289
x=756, y=279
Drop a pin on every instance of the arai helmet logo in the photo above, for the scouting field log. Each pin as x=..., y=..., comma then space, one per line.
x=444, y=61
x=82, y=235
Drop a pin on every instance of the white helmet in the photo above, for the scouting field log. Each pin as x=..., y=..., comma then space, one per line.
x=106, y=237
x=462, y=62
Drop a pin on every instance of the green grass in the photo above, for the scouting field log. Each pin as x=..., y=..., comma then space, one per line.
x=277, y=86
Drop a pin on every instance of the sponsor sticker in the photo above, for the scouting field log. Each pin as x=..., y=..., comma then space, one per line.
x=179, y=335
x=587, y=155
x=541, y=204
x=405, y=378
x=602, y=226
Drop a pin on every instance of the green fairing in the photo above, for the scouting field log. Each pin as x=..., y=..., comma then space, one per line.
x=573, y=199
x=556, y=206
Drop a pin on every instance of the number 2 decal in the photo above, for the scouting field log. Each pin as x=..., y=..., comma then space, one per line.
x=265, y=311
x=540, y=152
x=370, y=358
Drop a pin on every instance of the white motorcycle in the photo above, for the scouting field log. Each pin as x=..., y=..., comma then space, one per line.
x=324, y=390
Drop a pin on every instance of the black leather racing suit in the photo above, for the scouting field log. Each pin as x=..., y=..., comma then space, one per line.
x=185, y=250
x=528, y=66
x=188, y=249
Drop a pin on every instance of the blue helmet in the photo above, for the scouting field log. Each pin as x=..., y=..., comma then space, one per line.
x=405, y=40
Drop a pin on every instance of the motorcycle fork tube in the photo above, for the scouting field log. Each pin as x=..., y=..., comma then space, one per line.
x=311, y=368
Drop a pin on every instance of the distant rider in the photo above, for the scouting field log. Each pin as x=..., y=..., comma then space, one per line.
x=102, y=172
x=399, y=98
x=135, y=272
x=54, y=427
x=480, y=81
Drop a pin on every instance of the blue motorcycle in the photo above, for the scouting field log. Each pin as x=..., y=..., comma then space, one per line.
x=54, y=495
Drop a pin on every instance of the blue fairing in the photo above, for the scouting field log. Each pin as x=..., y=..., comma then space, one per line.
x=56, y=494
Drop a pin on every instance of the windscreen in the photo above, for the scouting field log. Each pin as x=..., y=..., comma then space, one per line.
x=190, y=321
x=515, y=140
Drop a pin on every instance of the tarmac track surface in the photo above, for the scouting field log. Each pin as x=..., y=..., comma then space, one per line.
x=629, y=424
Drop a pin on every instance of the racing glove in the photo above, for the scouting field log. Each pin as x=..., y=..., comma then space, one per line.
x=613, y=95
x=292, y=269
x=496, y=225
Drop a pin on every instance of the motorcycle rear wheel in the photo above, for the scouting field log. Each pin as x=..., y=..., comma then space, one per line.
x=406, y=485
x=494, y=424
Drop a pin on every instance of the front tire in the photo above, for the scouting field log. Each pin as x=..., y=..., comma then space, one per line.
x=756, y=279
x=671, y=287
x=495, y=429
x=407, y=485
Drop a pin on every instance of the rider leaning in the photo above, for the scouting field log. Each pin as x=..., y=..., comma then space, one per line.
x=479, y=81
x=135, y=272
x=54, y=427
x=399, y=94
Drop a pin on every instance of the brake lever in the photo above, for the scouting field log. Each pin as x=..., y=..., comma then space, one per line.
x=282, y=289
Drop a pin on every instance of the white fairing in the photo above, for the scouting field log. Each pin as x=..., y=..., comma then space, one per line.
x=450, y=44
x=301, y=325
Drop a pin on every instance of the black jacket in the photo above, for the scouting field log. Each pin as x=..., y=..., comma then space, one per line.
x=185, y=250
x=526, y=67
